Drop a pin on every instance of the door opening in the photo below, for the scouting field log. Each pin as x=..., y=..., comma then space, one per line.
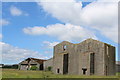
x=65, y=64
x=106, y=70
x=84, y=71
x=41, y=67
x=92, y=64
x=58, y=70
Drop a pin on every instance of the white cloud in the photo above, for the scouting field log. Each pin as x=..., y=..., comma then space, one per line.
x=14, y=54
x=17, y=12
x=50, y=45
x=4, y=22
x=54, y=0
x=103, y=17
x=1, y=36
x=108, y=1
x=64, y=11
x=76, y=0
x=101, y=14
x=67, y=32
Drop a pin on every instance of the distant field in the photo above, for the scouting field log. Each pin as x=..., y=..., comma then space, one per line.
x=12, y=73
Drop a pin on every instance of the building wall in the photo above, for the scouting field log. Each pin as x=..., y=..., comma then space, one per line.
x=117, y=67
x=110, y=60
x=28, y=66
x=84, y=50
x=58, y=56
x=32, y=62
x=23, y=67
x=48, y=63
x=79, y=57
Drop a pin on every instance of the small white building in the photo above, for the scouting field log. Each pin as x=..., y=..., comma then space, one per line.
x=1, y=65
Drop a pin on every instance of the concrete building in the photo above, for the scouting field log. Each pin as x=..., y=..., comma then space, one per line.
x=48, y=63
x=90, y=57
x=29, y=62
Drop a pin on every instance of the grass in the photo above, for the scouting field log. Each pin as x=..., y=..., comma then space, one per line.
x=12, y=73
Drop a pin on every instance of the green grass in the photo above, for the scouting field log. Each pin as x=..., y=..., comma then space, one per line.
x=12, y=73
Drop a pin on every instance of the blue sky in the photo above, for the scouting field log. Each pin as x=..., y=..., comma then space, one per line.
x=23, y=19
x=14, y=30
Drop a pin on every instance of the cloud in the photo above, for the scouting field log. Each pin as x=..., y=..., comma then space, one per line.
x=67, y=32
x=108, y=1
x=103, y=17
x=49, y=45
x=100, y=15
x=4, y=22
x=14, y=54
x=54, y=1
x=17, y=12
x=1, y=36
x=76, y=0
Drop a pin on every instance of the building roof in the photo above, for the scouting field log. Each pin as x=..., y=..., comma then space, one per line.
x=26, y=61
x=38, y=60
x=86, y=40
x=96, y=41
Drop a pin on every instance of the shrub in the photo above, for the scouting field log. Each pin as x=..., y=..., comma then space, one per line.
x=33, y=68
x=49, y=68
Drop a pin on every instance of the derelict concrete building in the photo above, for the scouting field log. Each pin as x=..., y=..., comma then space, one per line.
x=48, y=63
x=90, y=57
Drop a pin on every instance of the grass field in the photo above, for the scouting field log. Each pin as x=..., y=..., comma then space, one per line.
x=12, y=73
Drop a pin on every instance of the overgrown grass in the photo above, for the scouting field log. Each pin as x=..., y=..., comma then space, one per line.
x=12, y=73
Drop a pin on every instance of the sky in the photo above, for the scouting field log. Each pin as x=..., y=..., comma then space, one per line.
x=31, y=29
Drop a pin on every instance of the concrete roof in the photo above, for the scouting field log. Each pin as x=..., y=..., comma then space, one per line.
x=84, y=41
x=40, y=61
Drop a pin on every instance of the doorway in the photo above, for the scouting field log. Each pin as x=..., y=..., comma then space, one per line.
x=41, y=67
x=84, y=71
x=106, y=70
x=58, y=70
x=65, y=64
x=92, y=63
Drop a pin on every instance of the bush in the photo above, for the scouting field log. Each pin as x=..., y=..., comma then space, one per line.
x=49, y=68
x=33, y=68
